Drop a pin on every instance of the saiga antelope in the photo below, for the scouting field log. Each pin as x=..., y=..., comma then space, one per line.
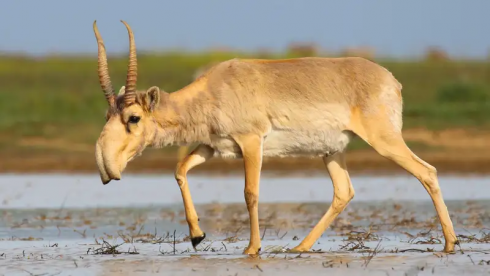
x=250, y=108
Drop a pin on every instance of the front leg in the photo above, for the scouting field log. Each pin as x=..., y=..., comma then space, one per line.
x=251, y=146
x=198, y=156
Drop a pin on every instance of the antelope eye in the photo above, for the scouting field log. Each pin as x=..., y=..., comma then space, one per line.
x=134, y=119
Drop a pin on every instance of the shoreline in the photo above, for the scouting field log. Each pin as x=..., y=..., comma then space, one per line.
x=366, y=162
x=450, y=151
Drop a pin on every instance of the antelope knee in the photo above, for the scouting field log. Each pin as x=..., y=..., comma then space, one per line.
x=180, y=172
x=180, y=177
x=341, y=200
x=430, y=181
x=251, y=198
x=351, y=194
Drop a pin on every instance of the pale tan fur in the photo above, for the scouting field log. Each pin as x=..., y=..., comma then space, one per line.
x=244, y=108
x=184, y=149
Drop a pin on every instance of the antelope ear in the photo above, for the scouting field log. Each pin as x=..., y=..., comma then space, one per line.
x=122, y=90
x=152, y=97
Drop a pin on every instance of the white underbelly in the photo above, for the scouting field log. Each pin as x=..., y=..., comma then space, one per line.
x=289, y=143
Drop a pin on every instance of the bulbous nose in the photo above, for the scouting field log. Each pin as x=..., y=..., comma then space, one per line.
x=108, y=168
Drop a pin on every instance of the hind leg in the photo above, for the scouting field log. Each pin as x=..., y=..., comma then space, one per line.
x=343, y=192
x=392, y=146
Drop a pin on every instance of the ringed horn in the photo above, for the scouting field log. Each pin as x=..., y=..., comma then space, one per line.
x=104, y=78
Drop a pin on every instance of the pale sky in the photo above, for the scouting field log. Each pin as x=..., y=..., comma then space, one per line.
x=393, y=28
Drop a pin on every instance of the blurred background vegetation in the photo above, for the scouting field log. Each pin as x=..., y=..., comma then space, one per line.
x=57, y=99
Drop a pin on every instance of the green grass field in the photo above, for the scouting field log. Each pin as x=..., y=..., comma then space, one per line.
x=60, y=97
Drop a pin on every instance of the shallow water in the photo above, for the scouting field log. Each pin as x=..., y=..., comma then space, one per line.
x=86, y=191
x=50, y=222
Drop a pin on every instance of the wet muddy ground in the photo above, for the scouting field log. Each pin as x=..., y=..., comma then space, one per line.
x=73, y=225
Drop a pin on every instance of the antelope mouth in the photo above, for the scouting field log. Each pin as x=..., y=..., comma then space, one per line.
x=106, y=181
x=109, y=175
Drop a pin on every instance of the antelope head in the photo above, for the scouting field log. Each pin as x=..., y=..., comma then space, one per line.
x=130, y=123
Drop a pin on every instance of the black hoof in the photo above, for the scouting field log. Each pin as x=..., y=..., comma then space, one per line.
x=197, y=240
